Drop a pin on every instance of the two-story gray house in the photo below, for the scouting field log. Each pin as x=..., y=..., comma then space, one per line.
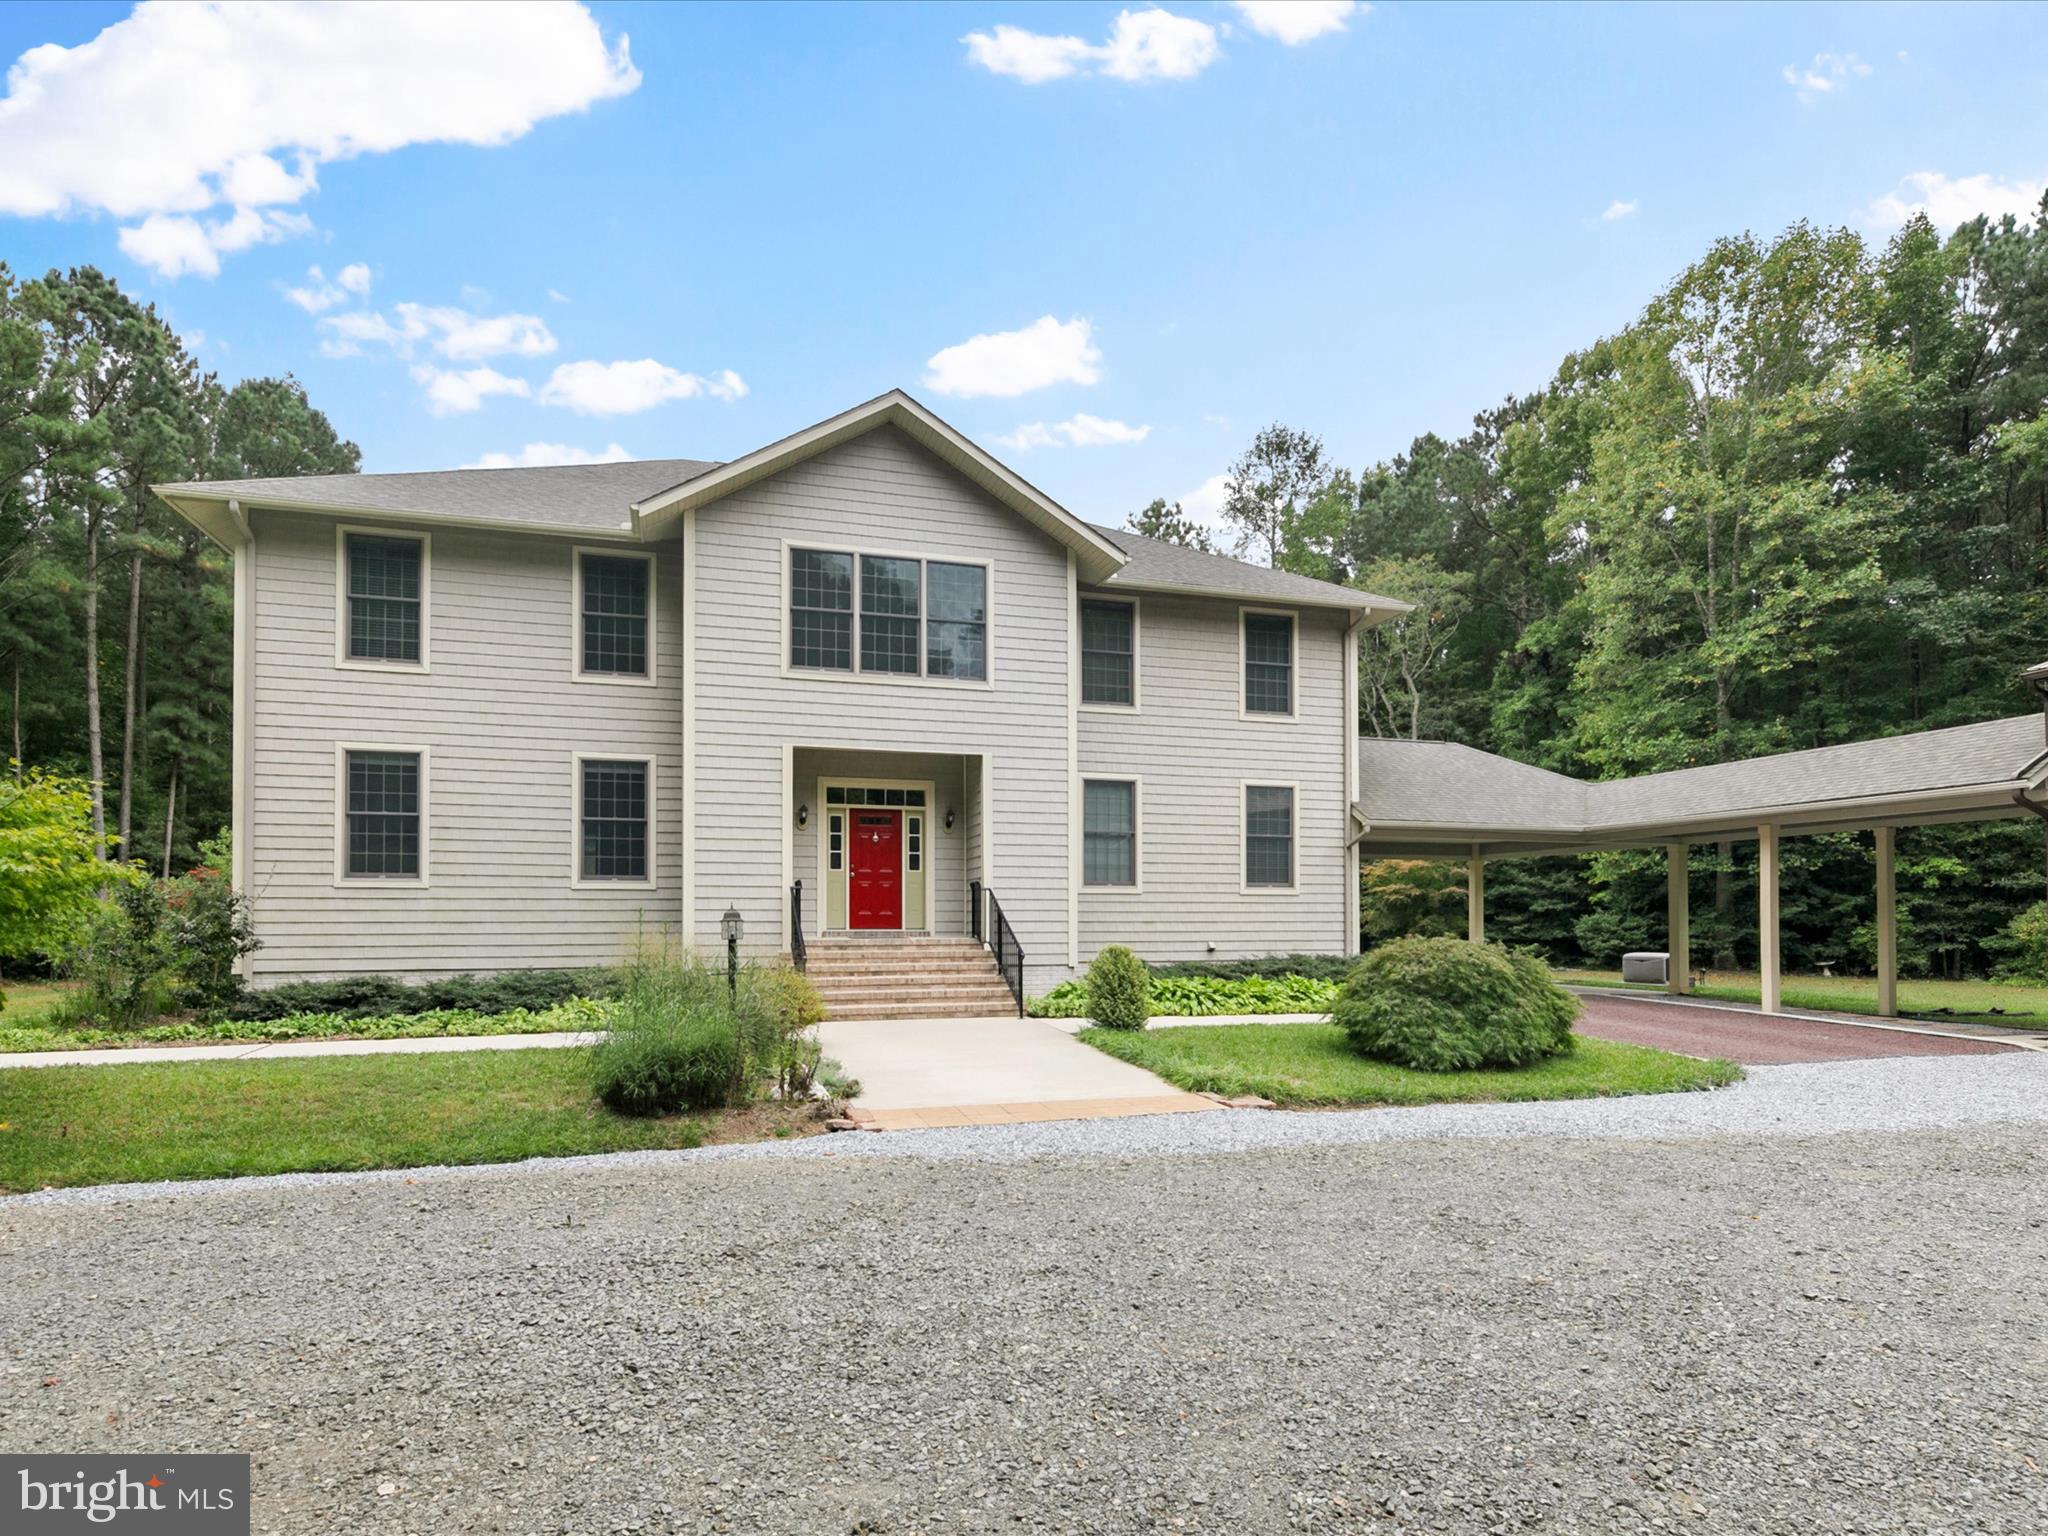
x=863, y=683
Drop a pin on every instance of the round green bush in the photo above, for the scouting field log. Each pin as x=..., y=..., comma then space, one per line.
x=1448, y=1005
x=1119, y=989
x=658, y=1068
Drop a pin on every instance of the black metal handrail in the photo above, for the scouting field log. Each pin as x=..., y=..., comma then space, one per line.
x=1002, y=942
x=974, y=908
x=796, y=925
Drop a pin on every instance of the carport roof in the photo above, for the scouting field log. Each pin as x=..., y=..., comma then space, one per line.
x=1436, y=797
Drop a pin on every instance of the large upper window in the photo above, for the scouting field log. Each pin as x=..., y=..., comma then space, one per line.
x=1109, y=832
x=616, y=607
x=384, y=798
x=916, y=618
x=1268, y=663
x=1109, y=670
x=612, y=834
x=385, y=583
x=1269, y=836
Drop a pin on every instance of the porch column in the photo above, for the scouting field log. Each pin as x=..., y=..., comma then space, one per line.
x=1475, y=898
x=1887, y=925
x=1678, y=920
x=1767, y=915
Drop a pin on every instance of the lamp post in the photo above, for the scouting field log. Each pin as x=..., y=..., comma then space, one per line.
x=734, y=927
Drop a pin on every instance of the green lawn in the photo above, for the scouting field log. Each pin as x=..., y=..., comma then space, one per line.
x=27, y=1000
x=1313, y=1065
x=2021, y=1006
x=195, y=1120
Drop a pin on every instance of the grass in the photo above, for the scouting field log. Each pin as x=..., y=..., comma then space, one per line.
x=215, y=1119
x=1314, y=1066
x=28, y=1000
x=2018, y=1005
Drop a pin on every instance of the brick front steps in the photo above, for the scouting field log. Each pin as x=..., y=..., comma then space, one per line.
x=907, y=978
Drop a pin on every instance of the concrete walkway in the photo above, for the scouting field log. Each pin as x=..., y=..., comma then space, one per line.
x=928, y=1072
x=277, y=1050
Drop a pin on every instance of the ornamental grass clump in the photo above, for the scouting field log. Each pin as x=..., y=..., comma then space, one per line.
x=1119, y=989
x=1448, y=1005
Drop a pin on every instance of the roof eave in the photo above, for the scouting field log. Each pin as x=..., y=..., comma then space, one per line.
x=1098, y=559
x=1377, y=609
x=187, y=502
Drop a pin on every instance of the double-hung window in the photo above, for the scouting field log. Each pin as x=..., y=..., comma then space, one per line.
x=1268, y=663
x=888, y=615
x=1109, y=653
x=1269, y=837
x=384, y=595
x=615, y=616
x=1109, y=832
x=385, y=798
x=612, y=827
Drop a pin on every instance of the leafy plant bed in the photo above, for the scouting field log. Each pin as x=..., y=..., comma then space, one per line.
x=575, y=1015
x=1314, y=1066
x=2018, y=1004
x=1193, y=997
x=111, y=1124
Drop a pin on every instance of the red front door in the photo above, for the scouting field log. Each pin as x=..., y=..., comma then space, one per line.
x=874, y=880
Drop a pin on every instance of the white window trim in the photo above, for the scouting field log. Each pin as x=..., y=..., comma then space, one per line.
x=611, y=552
x=1137, y=704
x=368, y=664
x=1244, y=857
x=934, y=816
x=342, y=878
x=1137, y=885
x=1293, y=667
x=576, y=761
x=891, y=679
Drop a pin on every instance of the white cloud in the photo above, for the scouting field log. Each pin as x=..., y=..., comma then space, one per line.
x=1295, y=22
x=1079, y=430
x=1827, y=74
x=1151, y=44
x=320, y=294
x=173, y=244
x=556, y=296
x=624, y=388
x=1620, y=208
x=1205, y=502
x=267, y=92
x=1948, y=202
x=535, y=455
x=454, y=333
x=452, y=392
x=1008, y=363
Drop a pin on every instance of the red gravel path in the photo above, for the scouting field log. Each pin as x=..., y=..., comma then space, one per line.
x=1756, y=1039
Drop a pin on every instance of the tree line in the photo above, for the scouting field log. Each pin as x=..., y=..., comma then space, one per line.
x=116, y=617
x=1802, y=499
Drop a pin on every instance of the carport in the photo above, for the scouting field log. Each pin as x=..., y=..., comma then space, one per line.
x=1440, y=800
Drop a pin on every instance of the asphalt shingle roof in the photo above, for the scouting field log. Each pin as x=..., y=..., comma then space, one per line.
x=1157, y=563
x=572, y=496
x=1442, y=784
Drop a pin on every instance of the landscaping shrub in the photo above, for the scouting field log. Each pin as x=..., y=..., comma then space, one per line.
x=1449, y=1005
x=212, y=930
x=1119, y=989
x=1326, y=968
x=657, y=1063
x=2022, y=949
x=1201, y=996
x=125, y=960
x=381, y=996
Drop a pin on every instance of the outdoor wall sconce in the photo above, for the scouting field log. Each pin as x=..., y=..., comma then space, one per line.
x=803, y=816
x=949, y=818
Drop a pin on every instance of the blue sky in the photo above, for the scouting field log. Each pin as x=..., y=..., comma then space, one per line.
x=746, y=218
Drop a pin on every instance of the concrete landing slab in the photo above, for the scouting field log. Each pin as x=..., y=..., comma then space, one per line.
x=954, y=1063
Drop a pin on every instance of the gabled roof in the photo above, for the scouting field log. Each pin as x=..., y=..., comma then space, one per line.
x=1412, y=794
x=1097, y=556
x=1158, y=566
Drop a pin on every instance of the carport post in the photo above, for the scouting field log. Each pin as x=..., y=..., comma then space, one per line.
x=1767, y=958
x=1678, y=920
x=1475, y=898
x=1887, y=925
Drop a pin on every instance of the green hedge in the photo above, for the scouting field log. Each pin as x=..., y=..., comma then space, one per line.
x=1449, y=1005
x=577, y=1014
x=1330, y=968
x=1201, y=997
x=383, y=997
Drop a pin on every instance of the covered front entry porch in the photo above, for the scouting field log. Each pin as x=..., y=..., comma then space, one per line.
x=885, y=843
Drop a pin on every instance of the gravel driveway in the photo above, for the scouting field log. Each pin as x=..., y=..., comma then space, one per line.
x=1599, y=1330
